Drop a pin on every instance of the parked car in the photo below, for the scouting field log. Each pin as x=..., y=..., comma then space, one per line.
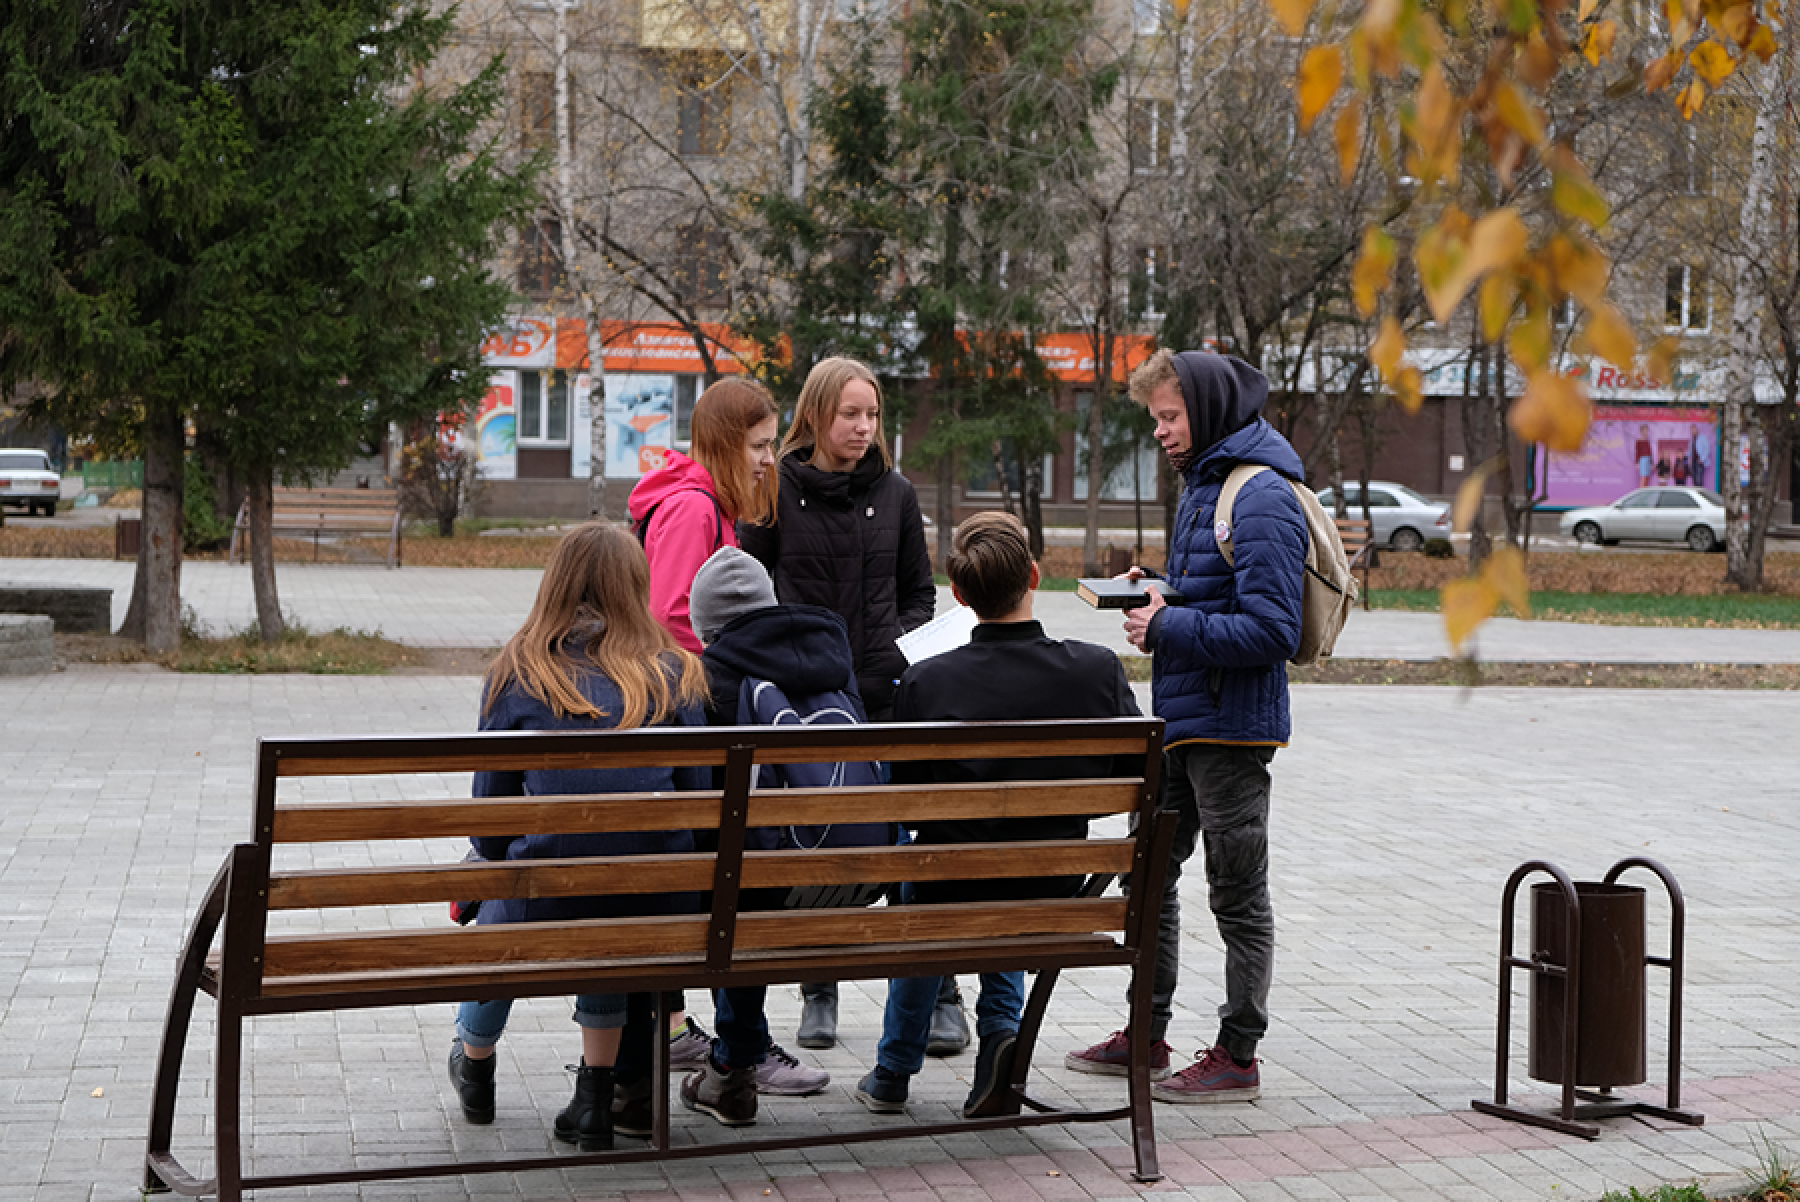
x=1403, y=519
x=27, y=479
x=1695, y=516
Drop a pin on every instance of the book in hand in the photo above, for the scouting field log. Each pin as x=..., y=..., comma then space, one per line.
x=1104, y=593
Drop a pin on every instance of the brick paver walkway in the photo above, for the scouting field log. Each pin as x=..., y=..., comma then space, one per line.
x=1398, y=815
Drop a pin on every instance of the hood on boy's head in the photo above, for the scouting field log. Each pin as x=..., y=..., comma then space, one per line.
x=1223, y=396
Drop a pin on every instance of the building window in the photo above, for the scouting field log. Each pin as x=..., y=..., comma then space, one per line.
x=687, y=391
x=1688, y=307
x=544, y=407
x=537, y=110
x=540, y=258
x=1148, y=282
x=703, y=117
x=1135, y=459
x=703, y=267
x=980, y=479
x=1149, y=16
x=1695, y=160
x=1147, y=134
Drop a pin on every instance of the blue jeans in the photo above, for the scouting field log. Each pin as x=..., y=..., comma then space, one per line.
x=743, y=1024
x=906, y=1026
x=480, y=1024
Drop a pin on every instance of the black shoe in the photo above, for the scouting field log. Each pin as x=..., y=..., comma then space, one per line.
x=949, y=1025
x=818, y=1017
x=631, y=1114
x=729, y=1097
x=883, y=1092
x=587, y=1121
x=474, y=1082
x=993, y=1068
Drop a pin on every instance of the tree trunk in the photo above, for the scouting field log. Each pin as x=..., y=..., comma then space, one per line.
x=596, y=418
x=1744, y=345
x=1475, y=445
x=156, y=596
x=261, y=507
x=1031, y=502
x=945, y=507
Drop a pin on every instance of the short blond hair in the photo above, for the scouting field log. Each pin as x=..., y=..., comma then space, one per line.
x=1152, y=374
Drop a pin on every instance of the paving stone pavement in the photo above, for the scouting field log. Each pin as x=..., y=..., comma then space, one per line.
x=464, y=607
x=1398, y=815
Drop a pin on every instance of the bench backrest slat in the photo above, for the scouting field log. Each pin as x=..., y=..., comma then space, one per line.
x=325, y=822
x=684, y=935
x=689, y=747
x=606, y=877
x=304, y=812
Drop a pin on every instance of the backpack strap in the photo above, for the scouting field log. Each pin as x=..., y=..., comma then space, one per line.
x=643, y=528
x=1228, y=494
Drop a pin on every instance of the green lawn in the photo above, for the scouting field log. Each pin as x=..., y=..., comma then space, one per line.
x=1628, y=609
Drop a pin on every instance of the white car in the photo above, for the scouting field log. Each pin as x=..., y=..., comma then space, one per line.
x=1404, y=521
x=27, y=479
x=1695, y=516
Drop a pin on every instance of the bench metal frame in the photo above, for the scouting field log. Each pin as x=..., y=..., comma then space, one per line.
x=236, y=905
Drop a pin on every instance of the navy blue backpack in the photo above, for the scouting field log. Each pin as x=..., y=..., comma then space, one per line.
x=763, y=703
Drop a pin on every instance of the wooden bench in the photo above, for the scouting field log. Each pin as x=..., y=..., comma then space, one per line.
x=319, y=511
x=364, y=944
x=1354, y=532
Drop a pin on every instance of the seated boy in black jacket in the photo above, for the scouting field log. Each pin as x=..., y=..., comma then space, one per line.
x=1010, y=670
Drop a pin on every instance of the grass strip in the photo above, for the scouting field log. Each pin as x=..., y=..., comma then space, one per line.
x=1737, y=611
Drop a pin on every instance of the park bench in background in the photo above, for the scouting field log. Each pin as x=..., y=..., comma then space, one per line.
x=1354, y=532
x=321, y=511
x=364, y=946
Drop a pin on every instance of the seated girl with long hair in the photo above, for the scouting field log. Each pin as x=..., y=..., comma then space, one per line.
x=589, y=657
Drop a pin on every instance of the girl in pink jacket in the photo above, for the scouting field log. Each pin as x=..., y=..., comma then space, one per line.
x=690, y=507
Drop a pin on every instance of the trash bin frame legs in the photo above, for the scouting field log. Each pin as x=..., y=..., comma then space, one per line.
x=1568, y=1117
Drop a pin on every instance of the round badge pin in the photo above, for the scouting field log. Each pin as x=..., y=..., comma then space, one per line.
x=1221, y=531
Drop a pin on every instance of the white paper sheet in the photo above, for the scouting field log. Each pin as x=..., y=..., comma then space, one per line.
x=946, y=632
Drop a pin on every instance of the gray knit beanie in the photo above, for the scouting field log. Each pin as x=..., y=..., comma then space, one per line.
x=728, y=584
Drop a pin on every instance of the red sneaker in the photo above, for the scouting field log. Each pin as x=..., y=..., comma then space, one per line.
x=1215, y=1077
x=1111, y=1057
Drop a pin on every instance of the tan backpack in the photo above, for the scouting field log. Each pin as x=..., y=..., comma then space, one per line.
x=1330, y=589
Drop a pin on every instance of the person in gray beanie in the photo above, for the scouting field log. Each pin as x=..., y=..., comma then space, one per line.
x=728, y=584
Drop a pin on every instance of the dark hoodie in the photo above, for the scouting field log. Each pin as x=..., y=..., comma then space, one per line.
x=802, y=648
x=1220, y=659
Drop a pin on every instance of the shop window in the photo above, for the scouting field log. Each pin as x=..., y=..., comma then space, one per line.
x=1688, y=307
x=980, y=479
x=1135, y=460
x=544, y=407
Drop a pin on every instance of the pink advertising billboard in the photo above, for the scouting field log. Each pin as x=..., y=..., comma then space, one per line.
x=1634, y=447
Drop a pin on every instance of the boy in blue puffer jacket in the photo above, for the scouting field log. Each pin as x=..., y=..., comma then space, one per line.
x=1219, y=673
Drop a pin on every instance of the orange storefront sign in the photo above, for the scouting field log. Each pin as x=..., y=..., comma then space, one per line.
x=1070, y=356
x=639, y=346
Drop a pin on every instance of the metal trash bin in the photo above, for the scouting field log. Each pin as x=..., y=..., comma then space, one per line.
x=128, y=536
x=1587, y=946
x=1614, y=986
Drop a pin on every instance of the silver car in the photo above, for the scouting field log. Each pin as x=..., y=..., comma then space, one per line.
x=27, y=479
x=1695, y=516
x=1404, y=521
